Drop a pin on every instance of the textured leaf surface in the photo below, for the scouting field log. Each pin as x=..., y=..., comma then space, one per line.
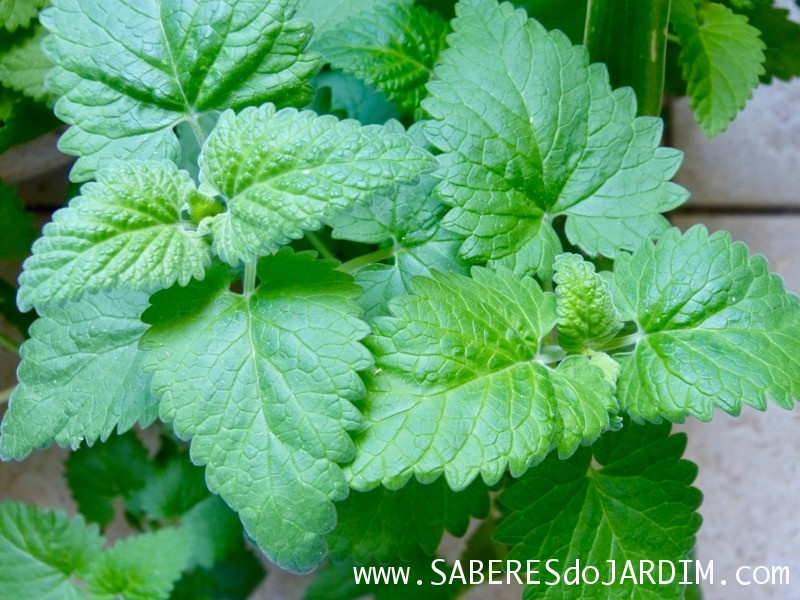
x=716, y=329
x=722, y=60
x=407, y=524
x=287, y=171
x=393, y=48
x=99, y=474
x=461, y=390
x=18, y=229
x=409, y=218
x=634, y=503
x=24, y=67
x=586, y=312
x=142, y=567
x=81, y=376
x=781, y=36
x=19, y=13
x=529, y=130
x=130, y=71
x=263, y=385
x=329, y=15
x=125, y=231
x=40, y=550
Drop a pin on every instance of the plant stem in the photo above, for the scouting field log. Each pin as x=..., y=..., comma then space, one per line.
x=620, y=342
x=319, y=245
x=9, y=344
x=365, y=259
x=250, y=277
x=6, y=394
x=197, y=129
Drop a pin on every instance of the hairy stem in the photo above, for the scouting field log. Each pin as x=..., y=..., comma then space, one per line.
x=319, y=245
x=366, y=259
x=9, y=344
x=250, y=277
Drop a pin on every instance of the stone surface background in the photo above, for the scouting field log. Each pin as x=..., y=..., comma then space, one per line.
x=746, y=181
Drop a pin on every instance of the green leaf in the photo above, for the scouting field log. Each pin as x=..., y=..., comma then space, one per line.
x=781, y=36
x=19, y=13
x=41, y=550
x=81, y=376
x=214, y=529
x=263, y=384
x=461, y=388
x=343, y=95
x=375, y=526
x=567, y=15
x=22, y=119
x=535, y=257
x=546, y=136
x=283, y=172
x=586, y=312
x=24, y=67
x=98, y=475
x=329, y=15
x=392, y=48
x=633, y=504
x=18, y=228
x=171, y=490
x=142, y=567
x=131, y=72
x=722, y=60
x=715, y=329
x=124, y=231
x=410, y=219
x=233, y=578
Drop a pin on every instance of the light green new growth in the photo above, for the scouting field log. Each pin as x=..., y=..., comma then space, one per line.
x=586, y=313
x=81, y=376
x=24, y=67
x=124, y=231
x=722, y=60
x=462, y=389
x=19, y=13
x=283, y=172
x=262, y=384
x=716, y=329
x=393, y=48
x=129, y=71
x=529, y=131
x=632, y=502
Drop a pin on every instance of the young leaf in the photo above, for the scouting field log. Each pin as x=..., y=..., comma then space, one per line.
x=98, y=475
x=392, y=48
x=722, y=60
x=547, y=136
x=130, y=72
x=41, y=550
x=24, y=67
x=375, y=526
x=142, y=567
x=635, y=505
x=586, y=312
x=716, y=329
x=345, y=96
x=263, y=384
x=537, y=256
x=18, y=229
x=283, y=172
x=19, y=13
x=462, y=390
x=81, y=376
x=409, y=217
x=124, y=231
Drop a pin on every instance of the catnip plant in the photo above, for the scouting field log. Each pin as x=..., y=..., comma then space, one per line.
x=371, y=271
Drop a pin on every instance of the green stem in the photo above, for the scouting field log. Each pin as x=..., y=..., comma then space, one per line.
x=319, y=245
x=9, y=344
x=250, y=277
x=6, y=394
x=366, y=259
x=620, y=342
x=197, y=129
x=630, y=36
